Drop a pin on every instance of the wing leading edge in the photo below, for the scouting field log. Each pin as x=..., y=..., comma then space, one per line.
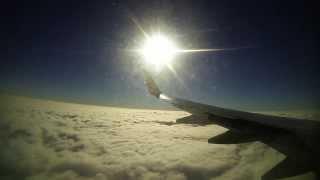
x=292, y=124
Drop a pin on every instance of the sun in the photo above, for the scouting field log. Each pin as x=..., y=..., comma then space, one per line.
x=158, y=50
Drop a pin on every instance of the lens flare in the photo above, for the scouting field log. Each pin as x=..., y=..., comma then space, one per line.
x=158, y=51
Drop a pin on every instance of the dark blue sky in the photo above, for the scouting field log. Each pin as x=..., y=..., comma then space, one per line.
x=74, y=51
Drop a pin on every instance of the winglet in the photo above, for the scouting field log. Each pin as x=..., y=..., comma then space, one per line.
x=152, y=86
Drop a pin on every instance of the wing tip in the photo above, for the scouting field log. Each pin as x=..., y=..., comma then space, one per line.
x=153, y=89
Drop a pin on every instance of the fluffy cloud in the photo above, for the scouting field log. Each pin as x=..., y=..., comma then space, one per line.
x=51, y=140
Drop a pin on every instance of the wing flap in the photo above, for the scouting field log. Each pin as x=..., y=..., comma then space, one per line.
x=231, y=137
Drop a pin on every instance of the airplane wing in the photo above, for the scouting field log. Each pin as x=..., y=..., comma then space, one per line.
x=299, y=136
x=233, y=119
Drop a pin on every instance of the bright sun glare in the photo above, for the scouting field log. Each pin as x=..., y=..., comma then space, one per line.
x=158, y=51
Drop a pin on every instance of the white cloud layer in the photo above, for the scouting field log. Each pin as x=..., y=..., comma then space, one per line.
x=51, y=140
